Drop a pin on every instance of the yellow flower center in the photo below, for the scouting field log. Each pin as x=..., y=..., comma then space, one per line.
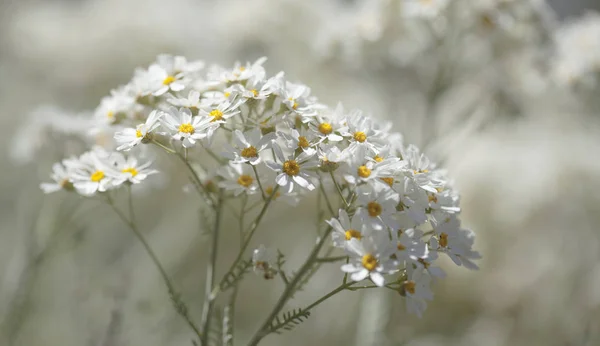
x=360, y=136
x=242, y=68
x=168, y=80
x=443, y=240
x=409, y=286
x=216, y=114
x=245, y=180
x=132, y=170
x=249, y=152
x=269, y=192
x=352, y=233
x=294, y=103
x=374, y=209
x=291, y=167
x=187, y=128
x=363, y=171
x=110, y=114
x=138, y=134
x=389, y=181
x=325, y=128
x=369, y=262
x=378, y=158
x=303, y=142
x=421, y=171
x=226, y=94
x=254, y=92
x=432, y=198
x=97, y=176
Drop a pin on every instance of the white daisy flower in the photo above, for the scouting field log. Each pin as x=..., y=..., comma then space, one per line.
x=361, y=168
x=61, y=176
x=188, y=128
x=293, y=170
x=238, y=178
x=328, y=128
x=169, y=73
x=243, y=72
x=361, y=133
x=130, y=137
x=192, y=101
x=421, y=169
x=118, y=105
x=416, y=290
x=296, y=97
x=409, y=245
x=248, y=146
x=130, y=170
x=413, y=200
x=369, y=258
x=220, y=112
x=457, y=243
x=344, y=228
x=90, y=174
x=378, y=206
x=296, y=140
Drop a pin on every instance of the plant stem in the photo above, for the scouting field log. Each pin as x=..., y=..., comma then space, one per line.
x=177, y=303
x=329, y=295
x=326, y=198
x=264, y=330
x=331, y=259
x=210, y=273
x=262, y=191
x=197, y=182
x=250, y=233
x=339, y=189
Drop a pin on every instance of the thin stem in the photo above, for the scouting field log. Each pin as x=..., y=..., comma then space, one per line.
x=177, y=303
x=197, y=182
x=339, y=189
x=213, y=155
x=331, y=259
x=262, y=191
x=264, y=330
x=326, y=198
x=169, y=150
x=246, y=243
x=210, y=273
x=329, y=295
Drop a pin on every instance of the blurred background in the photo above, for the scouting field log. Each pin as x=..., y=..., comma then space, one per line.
x=503, y=93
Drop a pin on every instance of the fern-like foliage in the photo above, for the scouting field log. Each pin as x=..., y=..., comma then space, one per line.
x=288, y=320
x=236, y=274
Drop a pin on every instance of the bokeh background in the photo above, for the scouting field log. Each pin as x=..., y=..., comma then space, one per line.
x=521, y=147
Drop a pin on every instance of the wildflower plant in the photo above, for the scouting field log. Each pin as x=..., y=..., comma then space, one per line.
x=388, y=212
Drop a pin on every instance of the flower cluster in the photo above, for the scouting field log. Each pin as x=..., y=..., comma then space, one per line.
x=393, y=213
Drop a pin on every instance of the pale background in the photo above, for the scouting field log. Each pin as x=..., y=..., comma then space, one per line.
x=529, y=190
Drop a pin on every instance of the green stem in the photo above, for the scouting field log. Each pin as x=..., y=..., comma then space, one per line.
x=329, y=295
x=169, y=150
x=264, y=330
x=322, y=188
x=177, y=303
x=262, y=191
x=331, y=259
x=210, y=273
x=339, y=190
x=197, y=182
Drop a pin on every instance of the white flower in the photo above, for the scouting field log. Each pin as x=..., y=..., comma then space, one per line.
x=168, y=73
x=378, y=206
x=239, y=178
x=243, y=72
x=188, y=128
x=299, y=141
x=221, y=112
x=362, y=134
x=130, y=170
x=421, y=169
x=118, y=104
x=456, y=242
x=409, y=245
x=369, y=257
x=61, y=177
x=345, y=229
x=293, y=170
x=296, y=97
x=90, y=174
x=328, y=128
x=192, y=101
x=248, y=146
x=130, y=137
x=417, y=292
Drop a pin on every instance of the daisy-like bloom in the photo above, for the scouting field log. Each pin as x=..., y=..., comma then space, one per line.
x=330, y=157
x=413, y=200
x=248, y=146
x=456, y=242
x=61, y=176
x=293, y=170
x=445, y=200
x=296, y=97
x=378, y=206
x=118, y=105
x=417, y=291
x=345, y=229
x=243, y=72
x=409, y=246
x=221, y=112
x=328, y=128
x=256, y=87
x=422, y=169
x=304, y=142
x=188, y=128
x=361, y=168
x=192, y=101
x=91, y=175
x=369, y=258
x=263, y=259
x=238, y=178
x=130, y=170
x=361, y=133
x=423, y=8
x=130, y=137
x=169, y=73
